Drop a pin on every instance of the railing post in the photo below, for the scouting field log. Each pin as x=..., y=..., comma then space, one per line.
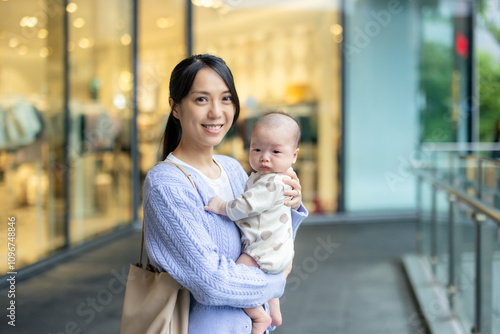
x=484, y=276
x=454, y=253
x=420, y=219
x=434, y=231
x=479, y=190
x=450, y=168
x=496, y=199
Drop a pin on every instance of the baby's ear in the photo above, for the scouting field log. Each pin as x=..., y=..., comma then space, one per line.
x=295, y=155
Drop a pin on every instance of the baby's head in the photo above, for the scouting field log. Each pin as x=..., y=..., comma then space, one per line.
x=275, y=143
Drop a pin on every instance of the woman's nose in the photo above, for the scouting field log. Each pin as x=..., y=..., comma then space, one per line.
x=215, y=110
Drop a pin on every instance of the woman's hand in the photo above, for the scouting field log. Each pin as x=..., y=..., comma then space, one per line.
x=294, y=182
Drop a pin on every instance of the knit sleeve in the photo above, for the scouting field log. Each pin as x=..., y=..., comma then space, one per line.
x=178, y=243
x=297, y=217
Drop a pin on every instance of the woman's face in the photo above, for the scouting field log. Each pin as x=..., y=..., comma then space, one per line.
x=206, y=113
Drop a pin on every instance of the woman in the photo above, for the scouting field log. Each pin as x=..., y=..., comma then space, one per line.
x=196, y=247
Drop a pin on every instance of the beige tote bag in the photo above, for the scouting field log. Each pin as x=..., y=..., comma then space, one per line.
x=154, y=303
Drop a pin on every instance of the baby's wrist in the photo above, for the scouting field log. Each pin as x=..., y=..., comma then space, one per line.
x=222, y=208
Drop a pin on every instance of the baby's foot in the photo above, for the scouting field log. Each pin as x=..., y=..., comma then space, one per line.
x=276, y=320
x=274, y=306
x=260, y=325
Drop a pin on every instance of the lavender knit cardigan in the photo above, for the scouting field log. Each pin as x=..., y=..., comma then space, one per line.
x=199, y=248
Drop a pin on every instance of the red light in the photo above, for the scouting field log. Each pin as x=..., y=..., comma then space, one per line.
x=462, y=45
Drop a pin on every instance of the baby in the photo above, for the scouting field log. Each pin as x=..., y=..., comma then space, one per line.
x=260, y=213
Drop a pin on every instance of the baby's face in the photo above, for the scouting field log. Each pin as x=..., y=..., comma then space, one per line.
x=272, y=150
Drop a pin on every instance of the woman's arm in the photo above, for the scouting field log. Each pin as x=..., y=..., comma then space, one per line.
x=178, y=242
x=297, y=218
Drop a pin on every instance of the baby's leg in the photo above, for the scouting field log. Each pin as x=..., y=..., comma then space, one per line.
x=274, y=308
x=247, y=260
x=260, y=319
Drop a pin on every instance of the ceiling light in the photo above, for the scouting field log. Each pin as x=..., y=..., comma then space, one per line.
x=13, y=42
x=126, y=39
x=165, y=22
x=336, y=29
x=79, y=22
x=28, y=21
x=42, y=33
x=71, y=7
x=44, y=52
x=84, y=43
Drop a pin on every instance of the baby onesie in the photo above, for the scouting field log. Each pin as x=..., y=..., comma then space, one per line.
x=265, y=222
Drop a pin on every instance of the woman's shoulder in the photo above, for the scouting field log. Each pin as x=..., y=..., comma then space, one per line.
x=165, y=175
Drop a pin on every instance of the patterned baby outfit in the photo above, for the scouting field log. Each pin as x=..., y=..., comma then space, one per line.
x=265, y=222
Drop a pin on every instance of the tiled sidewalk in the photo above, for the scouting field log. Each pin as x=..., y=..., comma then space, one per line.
x=347, y=278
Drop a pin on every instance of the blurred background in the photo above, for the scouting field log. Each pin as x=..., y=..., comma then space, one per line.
x=393, y=96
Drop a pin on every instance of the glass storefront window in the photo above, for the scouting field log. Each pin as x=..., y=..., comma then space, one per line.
x=31, y=145
x=381, y=70
x=436, y=74
x=488, y=54
x=162, y=44
x=289, y=60
x=100, y=112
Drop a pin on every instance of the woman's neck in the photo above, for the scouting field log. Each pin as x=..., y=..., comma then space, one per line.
x=202, y=161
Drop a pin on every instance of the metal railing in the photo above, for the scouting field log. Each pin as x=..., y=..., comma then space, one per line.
x=459, y=220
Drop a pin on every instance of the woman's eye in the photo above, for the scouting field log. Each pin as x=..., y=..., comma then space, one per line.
x=201, y=99
x=227, y=98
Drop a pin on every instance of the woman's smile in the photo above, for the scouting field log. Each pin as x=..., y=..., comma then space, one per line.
x=213, y=128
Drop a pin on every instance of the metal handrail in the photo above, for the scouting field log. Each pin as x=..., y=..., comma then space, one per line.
x=483, y=243
x=476, y=204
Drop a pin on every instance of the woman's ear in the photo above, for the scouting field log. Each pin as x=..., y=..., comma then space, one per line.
x=175, y=107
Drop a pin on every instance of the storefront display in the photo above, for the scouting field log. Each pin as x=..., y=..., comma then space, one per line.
x=32, y=159
x=290, y=62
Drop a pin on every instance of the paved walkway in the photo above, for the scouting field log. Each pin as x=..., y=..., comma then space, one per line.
x=347, y=279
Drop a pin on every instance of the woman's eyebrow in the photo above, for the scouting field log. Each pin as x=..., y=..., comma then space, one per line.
x=207, y=93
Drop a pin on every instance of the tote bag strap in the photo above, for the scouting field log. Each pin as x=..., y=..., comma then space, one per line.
x=188, y=175
x=182, y=169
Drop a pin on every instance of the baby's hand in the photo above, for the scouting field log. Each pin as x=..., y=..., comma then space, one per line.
x=216, y=205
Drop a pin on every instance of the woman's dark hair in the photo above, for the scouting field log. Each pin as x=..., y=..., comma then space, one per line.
x=181, y=80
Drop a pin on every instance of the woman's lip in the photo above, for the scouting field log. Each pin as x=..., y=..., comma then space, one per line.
x=213, y=128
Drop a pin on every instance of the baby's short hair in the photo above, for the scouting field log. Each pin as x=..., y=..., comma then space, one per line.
x=279, y=118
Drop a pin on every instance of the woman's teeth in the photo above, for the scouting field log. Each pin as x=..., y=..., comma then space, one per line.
x=213, y=127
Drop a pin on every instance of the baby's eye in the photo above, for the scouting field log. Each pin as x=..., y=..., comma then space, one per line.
x=276, y=151
x=256, y=149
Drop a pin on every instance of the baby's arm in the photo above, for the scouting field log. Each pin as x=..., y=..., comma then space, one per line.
x=216, y=205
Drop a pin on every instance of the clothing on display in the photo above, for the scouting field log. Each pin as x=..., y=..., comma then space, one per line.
x=20, y=123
